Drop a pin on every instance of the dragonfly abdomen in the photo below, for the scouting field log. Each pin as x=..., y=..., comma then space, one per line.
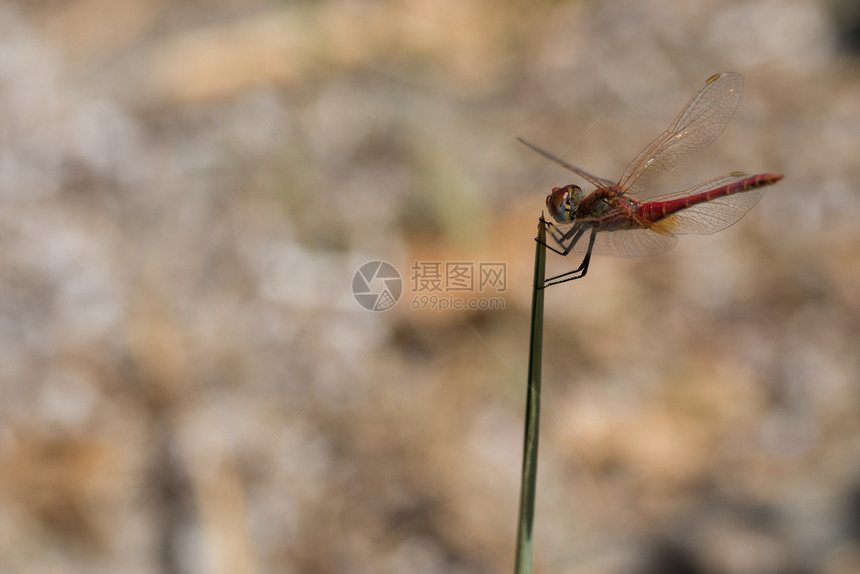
x=656, y=210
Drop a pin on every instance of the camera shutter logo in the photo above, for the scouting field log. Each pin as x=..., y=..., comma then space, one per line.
x=377, y=286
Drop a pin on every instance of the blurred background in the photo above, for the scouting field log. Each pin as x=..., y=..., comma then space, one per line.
x=188, y=385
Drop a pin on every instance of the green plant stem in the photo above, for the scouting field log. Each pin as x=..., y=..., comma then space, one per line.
x=525, y=543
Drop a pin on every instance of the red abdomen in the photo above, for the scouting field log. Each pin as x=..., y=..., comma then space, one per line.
x=657, y=209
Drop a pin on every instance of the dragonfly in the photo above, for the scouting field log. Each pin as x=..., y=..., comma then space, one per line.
x=610, y=221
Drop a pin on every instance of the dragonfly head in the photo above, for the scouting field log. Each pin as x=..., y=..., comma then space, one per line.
x=563, y=202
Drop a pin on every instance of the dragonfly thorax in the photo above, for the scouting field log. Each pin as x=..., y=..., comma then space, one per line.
x=563, y=202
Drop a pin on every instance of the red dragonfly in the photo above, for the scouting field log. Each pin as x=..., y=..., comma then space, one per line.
x=610, y=221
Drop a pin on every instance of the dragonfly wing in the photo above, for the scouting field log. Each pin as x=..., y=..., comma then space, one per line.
x=711, y=206
x=711, y=216
x=637, y=242
x=630, y=242
x=701, y=122
x=703, y=187
x=591, y=178
x=634, y=242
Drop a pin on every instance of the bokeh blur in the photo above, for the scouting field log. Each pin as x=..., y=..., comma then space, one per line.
x=188, y=385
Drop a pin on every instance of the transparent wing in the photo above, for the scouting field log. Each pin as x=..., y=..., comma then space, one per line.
x=701, y=122
x=591, y=178
x=630, y=242
x=704, y=187
x=712, y=214
x=638, y=242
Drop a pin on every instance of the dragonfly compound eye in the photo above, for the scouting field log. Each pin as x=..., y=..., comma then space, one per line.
x=558, y=205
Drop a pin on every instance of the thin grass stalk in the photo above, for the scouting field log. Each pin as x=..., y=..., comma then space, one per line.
x=525, y=542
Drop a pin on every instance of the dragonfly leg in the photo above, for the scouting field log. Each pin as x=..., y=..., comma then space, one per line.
x=580, y=271
x=560, y=238
x=550, y=247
